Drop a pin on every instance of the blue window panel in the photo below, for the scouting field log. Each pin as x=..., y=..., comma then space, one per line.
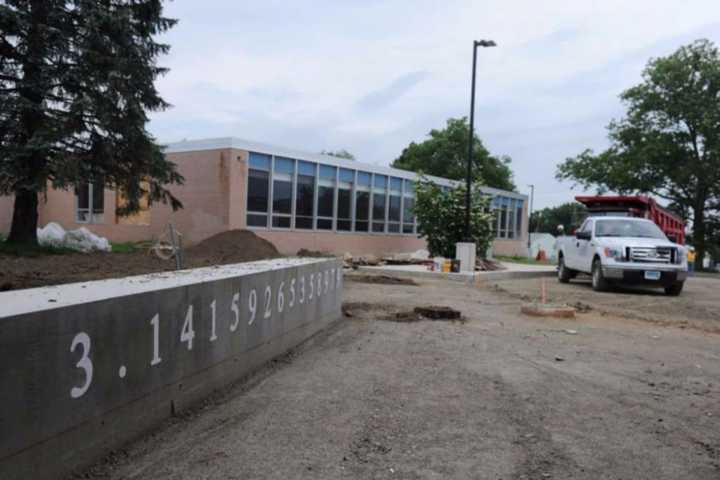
x=284, y=165
x=381, y=181
x=306, y=168
x=409, y=186
x=327, y=172
x=363, y=179
x=260, y=161
x=347, y=175
x=396, y=184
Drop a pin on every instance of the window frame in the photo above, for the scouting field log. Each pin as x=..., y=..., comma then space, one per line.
x=91, y=215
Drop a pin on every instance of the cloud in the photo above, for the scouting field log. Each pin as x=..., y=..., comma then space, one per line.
x=373, y=76
x=391, y=92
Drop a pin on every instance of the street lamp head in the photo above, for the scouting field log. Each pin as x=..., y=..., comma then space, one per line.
x=485, y=43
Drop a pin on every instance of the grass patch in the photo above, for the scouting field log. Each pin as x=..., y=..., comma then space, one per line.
x=123, y=247
x=523, y=260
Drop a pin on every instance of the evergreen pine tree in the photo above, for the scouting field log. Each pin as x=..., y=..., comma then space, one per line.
x=76, y=83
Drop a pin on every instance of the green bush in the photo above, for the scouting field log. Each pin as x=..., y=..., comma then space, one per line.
x=441, y=218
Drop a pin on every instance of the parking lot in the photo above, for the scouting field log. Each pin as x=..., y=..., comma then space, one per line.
x=698, y=306
x=497, y=396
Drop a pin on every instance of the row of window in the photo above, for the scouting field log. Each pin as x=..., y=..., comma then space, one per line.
x=288, y=193
x=90, y=205
x=508, y=217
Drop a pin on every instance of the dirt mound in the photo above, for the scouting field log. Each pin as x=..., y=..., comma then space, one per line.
x=381, y=279
x=233, y=246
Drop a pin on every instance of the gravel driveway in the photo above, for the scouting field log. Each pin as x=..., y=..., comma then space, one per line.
x=499, y=396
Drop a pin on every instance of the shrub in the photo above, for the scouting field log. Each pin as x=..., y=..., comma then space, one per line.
x=441, y=218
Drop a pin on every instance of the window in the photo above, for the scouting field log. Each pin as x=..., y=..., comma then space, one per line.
x=394, y=205
x=142, y=216
x=518, y=218
x=378, y=212
x=90, y=206
x=511, y=219
x=344, y=211
x=502, y=227
x=326, y=197
x=362, y=202
x=258, y=189
x=305, y=196
x=282, y=192
x=408, y=216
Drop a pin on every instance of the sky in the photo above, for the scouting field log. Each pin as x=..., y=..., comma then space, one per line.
x=372, y=76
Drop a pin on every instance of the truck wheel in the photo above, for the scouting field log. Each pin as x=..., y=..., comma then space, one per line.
x=564, y=273
x=675, y=289
x=599, y=283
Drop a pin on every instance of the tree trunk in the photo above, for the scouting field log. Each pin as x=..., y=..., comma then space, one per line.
x=699, y=234
x=25, y=218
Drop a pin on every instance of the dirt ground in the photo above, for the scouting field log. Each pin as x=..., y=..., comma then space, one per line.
x=698, y=306
x=498, y=396
x=235, y=246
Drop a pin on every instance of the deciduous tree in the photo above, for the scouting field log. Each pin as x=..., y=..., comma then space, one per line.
x=669, y=142
x=444, y=154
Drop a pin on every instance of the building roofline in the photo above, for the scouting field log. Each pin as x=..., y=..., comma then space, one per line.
x=250, y=146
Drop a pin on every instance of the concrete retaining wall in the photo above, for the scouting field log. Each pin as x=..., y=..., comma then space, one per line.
x=87, y=367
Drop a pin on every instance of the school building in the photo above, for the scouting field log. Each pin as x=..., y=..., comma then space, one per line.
x=293, y=199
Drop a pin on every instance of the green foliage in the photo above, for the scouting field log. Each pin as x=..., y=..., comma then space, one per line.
x=669, y=142
x=570, y=215
x=519, y=259
x=444, y=154
x=339, y=154
x=123, y=247
x=441, y=218
x=76, y=80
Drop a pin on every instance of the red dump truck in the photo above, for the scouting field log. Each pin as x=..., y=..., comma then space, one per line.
x=640, y=206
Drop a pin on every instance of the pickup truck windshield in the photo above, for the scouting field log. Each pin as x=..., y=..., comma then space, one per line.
x=627, y=228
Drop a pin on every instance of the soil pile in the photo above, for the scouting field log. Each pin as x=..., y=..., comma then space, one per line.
x=233, y=246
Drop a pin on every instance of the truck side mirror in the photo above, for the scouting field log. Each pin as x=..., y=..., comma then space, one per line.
x=583, y=235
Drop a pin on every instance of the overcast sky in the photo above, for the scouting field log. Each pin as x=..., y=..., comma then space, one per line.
x=371, y=76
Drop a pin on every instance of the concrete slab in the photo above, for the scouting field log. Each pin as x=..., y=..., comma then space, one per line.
x=511, y=271
x=87, y=367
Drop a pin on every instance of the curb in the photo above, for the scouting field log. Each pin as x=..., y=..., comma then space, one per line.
x=477, y=277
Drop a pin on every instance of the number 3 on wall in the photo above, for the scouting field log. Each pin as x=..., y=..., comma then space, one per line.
x=85, y=363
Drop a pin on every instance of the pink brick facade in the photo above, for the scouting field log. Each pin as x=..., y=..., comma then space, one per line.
x=215, y=198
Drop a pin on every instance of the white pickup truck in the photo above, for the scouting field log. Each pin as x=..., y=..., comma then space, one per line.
x=625, y=250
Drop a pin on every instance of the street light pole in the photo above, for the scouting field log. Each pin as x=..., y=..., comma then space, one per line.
x=468, y=200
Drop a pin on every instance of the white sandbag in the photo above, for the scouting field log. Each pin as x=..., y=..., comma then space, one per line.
x=81, y=239
x=84, y=240
x=420, y=255
x=51, y=235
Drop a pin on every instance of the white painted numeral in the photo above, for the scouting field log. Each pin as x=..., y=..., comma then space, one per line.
x=252, y=305
x=291, y=304
x=268, y=302
x=188, y=333
x=85, y=363
x=302, y=290
x=213, y=335
x=332, y=279
x=235, y=307
x=338, y=278
x=281, y=298
x=319, y=284
x=312, y=286
x=155, y=322
x=326, y=275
